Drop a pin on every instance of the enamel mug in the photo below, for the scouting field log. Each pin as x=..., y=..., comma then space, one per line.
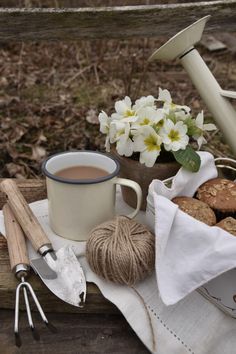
x=76, y=206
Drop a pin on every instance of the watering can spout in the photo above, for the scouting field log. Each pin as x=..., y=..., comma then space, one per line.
x=217, y=100
x=182, y=42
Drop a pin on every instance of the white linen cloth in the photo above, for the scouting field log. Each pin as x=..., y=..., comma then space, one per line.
x=193, y=326
x=185, y=183
x=189, y=253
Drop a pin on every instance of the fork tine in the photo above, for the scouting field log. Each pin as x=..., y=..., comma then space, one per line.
x=51, y=328
x=26, y=286
x=44, y=318
x=35, y=333
x=18, y=342
x=16, y=323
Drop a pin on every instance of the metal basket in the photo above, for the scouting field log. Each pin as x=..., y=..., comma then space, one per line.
x=226, y=168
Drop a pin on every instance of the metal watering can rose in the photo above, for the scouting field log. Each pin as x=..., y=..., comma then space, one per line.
x=182, y=46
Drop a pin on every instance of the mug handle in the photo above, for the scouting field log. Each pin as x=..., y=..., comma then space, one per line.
x=136, y=187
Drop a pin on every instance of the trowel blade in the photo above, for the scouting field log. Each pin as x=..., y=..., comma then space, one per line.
x=63, y=275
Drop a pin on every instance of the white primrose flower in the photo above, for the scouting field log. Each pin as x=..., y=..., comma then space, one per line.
x=146, y=129
x=174, y=136
x=145, y=101
x=202, y=128
x=124, y=111
x=148, y=143
x=181, y=112
x=124, y=145
x=107, y=144
x=117, y=128
x=164, y=96
x=147, y=116
x=104, y=122
x=120, y=134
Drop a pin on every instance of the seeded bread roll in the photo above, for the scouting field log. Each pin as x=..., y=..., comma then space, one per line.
x=220, y=195
x=228, y=224
x=197, y=209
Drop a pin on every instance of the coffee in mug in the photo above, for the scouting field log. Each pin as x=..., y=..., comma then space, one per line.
x=81, y=188
x=82, y=172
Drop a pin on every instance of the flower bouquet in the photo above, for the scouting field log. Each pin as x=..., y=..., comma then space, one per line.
x=148, y=129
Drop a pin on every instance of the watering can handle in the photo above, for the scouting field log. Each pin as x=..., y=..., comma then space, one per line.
x=227, y=93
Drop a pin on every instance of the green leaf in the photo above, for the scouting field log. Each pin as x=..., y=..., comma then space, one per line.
x=192, y=128
x=188, y=158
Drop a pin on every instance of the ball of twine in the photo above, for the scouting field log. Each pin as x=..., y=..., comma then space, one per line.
x=121, y=250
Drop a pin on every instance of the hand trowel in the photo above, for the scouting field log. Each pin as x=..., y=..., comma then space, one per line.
x=60, y=270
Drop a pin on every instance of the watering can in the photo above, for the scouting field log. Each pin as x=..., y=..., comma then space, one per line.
x=217, y=100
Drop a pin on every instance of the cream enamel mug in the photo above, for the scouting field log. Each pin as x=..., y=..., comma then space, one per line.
x=75, y=206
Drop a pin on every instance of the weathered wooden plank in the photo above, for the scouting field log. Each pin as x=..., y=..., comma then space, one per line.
x=94, y=334
x=84, y=3
x=113, y=22
x=73, y=3
x=95, y=302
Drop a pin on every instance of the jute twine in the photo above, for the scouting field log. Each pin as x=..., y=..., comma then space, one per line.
x=123, y=251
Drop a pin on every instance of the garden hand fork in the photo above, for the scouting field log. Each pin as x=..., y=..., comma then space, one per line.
x=20, y=266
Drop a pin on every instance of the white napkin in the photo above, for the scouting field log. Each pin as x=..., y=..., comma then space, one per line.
x=189, y=253
x=185, y=182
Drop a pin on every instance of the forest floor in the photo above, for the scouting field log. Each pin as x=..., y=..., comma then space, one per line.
x=51, y=94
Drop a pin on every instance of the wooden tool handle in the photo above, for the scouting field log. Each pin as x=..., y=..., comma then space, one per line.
x=24, y=215
x=15, y=239
x=32, y=190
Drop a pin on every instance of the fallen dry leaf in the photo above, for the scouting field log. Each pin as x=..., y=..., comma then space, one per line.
x=41, y=138
x=15, y=170
x=92, y=117
x=38, y=152
x=17, y=133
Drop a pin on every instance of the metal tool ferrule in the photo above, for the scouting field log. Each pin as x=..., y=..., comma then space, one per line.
x=45, y=249
x=22, y=270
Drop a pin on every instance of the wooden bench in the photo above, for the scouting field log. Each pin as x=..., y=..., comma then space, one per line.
x=71, y=23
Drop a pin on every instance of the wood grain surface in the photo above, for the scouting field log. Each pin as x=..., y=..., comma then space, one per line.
x=77, y=334
x=113, y=22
